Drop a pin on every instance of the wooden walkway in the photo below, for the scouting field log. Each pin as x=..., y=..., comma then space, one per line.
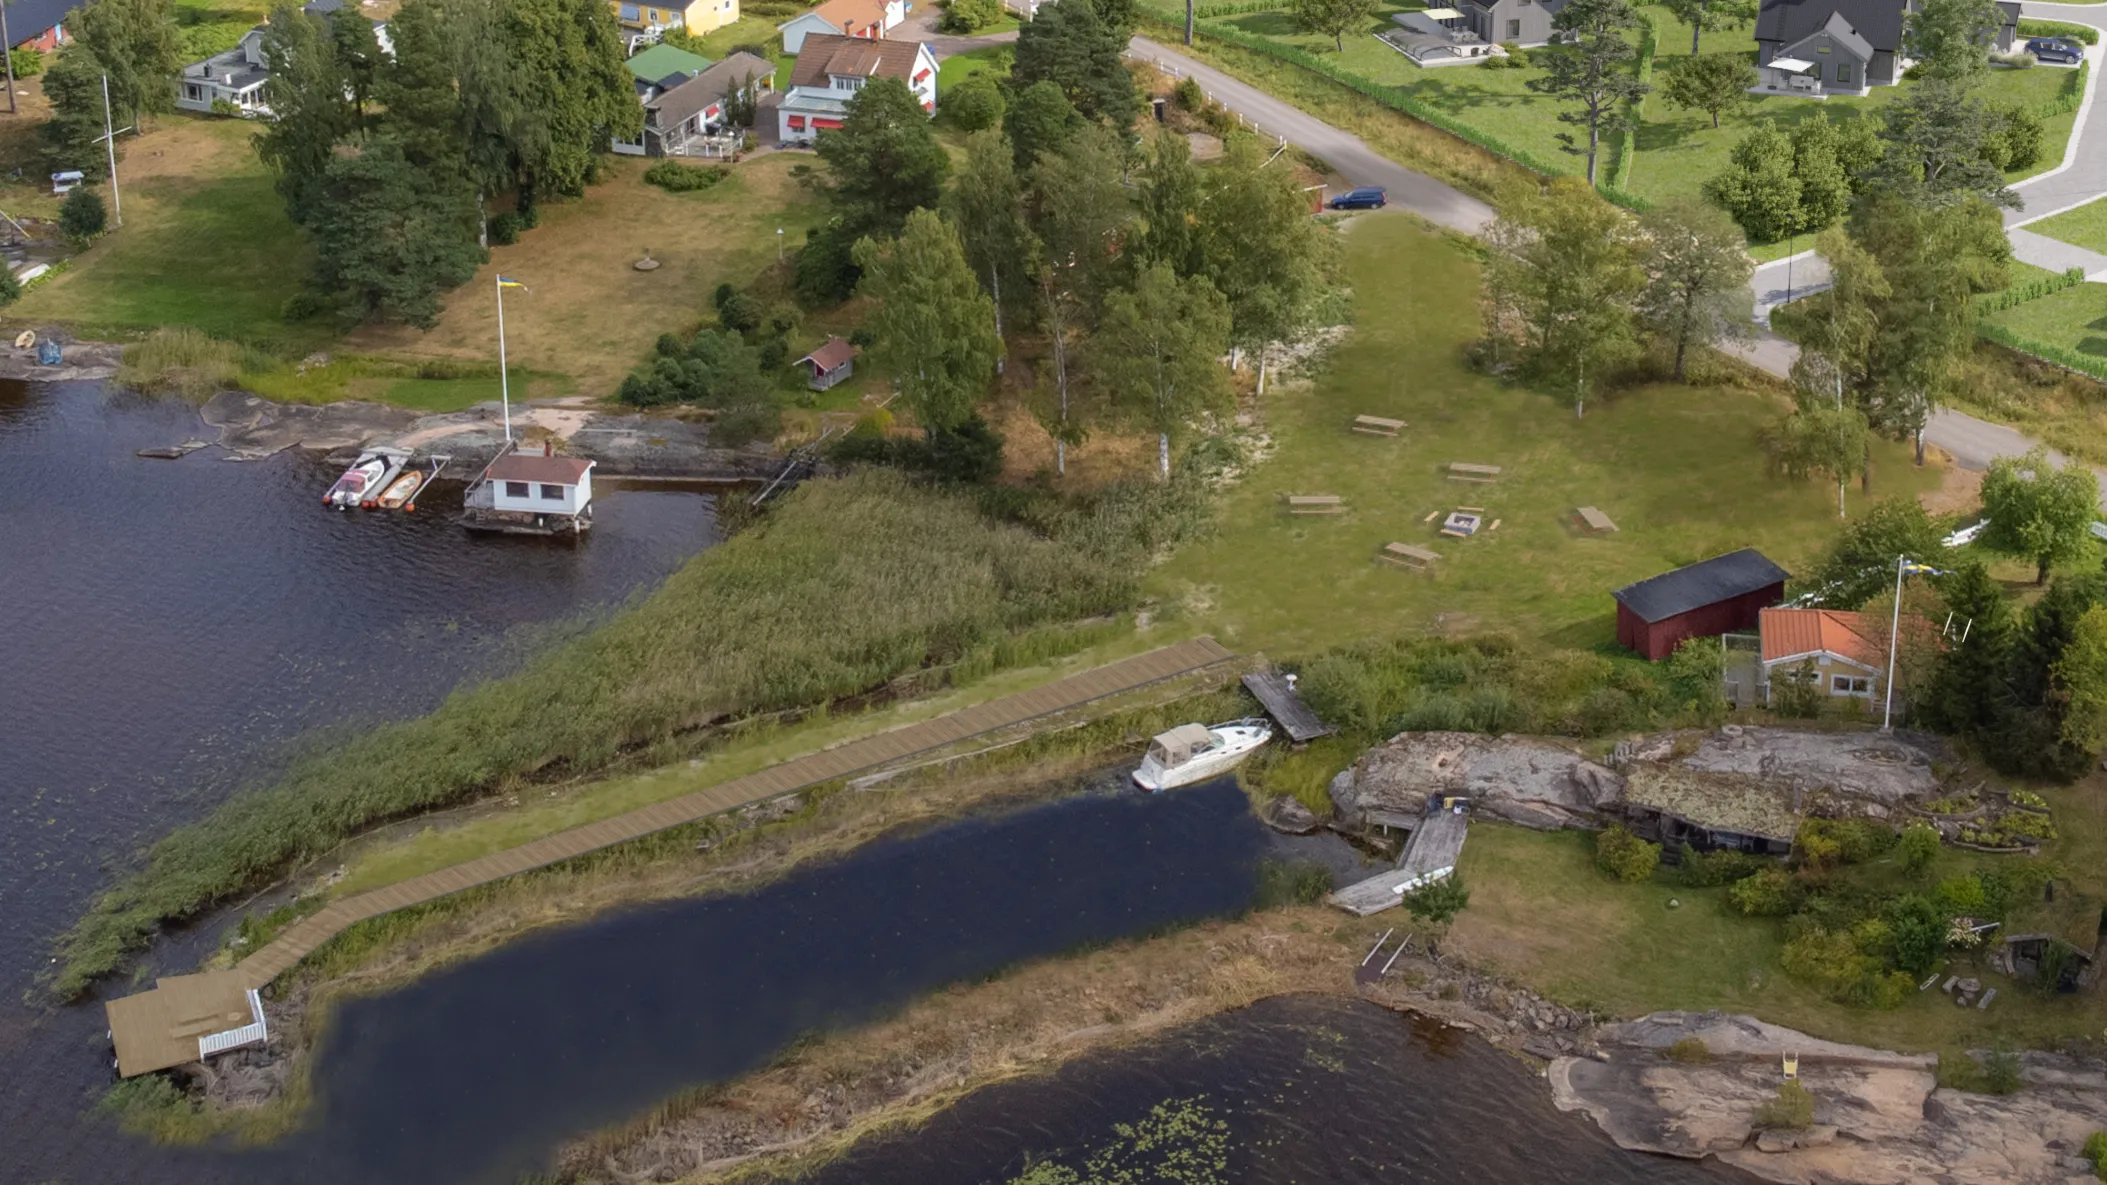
x=302, y=937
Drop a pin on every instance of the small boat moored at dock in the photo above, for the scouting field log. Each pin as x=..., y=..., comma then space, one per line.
x=400, y=492
x=368, y=476
x=1194, y=752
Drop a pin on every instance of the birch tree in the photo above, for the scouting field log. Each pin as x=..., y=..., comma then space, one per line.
x=987, y=204
x=1080, y=216
x=933, y=324
x=1158, y=348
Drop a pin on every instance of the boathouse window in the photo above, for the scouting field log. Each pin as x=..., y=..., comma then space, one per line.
x=552, y=493
x=515, y=489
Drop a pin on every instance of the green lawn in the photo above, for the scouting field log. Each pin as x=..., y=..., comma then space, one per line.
x=959, y=67
x=2075, y=318
x=207, y=27
x=1679, y=469
x=2084, y=227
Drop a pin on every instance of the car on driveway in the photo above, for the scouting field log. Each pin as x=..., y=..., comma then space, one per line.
x=2056, y=50
x=1368, y=197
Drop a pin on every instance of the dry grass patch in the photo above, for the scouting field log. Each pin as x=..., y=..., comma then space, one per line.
x=589, y=314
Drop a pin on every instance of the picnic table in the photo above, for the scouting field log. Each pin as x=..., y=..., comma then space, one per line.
x=1407, y=556
x=1465, y=471
x=1316, y=504
x=1594, y=520
x=1377, y=425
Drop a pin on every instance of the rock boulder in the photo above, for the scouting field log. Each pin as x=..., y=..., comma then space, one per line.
x=1535, y=782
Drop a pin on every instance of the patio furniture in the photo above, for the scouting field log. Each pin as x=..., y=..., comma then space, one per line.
x=1316, y=504
x=1465, y=471
x=1377, y=426
x=1596, y=522
x=1404, y=555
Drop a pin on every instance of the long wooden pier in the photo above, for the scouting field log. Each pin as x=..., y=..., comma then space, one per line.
x=304, y=936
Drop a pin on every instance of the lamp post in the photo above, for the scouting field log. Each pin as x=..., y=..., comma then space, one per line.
x=779, y=244
x=109, y=141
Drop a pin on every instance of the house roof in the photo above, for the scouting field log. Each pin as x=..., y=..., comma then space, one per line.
x=31, y=19
x=1716, y=801
x=563, y=471
x=663, y=61
x=847, y=14
x=1789, y=633
x=1841, y=32
x=835, y=354
x=826, y=54
x=1877, y=22
x=1720, y=578
x=682, y=99
x=157, y=1029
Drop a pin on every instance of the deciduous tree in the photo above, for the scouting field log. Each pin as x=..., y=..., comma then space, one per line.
x=1697, y=276
x=1573, y=274
x=1711, y=16
x=1071, y=46
x=1260, y=247
x=1714, y=83
x=1951, y=39
x=1169, y=191
x=2081, y=676
x=1936, y=136
x=1860, y=565
x=1758, y=186
x=1333, y=18
x=1158, y=350
x=135, y=40
x=1592, y=68
x=1080, y=218
x=2039, y=512
x=310, y=113
x=987, y=204
x=1824, y=436
x=933, y=324
x=566, y=58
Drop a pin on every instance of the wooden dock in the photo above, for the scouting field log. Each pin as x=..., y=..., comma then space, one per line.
x=1430, y=855
x=153, y=1009
x=1286, y=707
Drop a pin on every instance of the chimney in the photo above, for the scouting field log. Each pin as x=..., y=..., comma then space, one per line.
x=548, y=447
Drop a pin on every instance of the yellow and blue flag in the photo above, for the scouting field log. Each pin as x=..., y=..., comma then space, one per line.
x=509, y=282
x=1923, y=569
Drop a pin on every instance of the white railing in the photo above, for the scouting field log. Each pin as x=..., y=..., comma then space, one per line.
x=253, y=1033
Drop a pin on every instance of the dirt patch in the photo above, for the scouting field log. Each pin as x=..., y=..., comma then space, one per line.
x=1960, y=491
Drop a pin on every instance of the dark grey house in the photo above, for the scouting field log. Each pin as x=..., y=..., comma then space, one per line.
x=1524, y=22
x=1841, y=46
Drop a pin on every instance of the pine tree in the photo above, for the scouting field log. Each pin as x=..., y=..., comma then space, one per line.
x=1039, y=120
x=1592, y=67
x=72, y=137
x=391, y=235
x=1967, y=685
x=309, y=112
x=1071, y=46
x=1169, y=191
x=884, y=162
x=933, y=324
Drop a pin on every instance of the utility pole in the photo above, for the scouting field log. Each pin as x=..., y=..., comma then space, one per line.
x=9, y=43
x=109, y=139
x=1887, y=712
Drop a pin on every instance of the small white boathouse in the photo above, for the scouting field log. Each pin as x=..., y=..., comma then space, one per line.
x=531, y=493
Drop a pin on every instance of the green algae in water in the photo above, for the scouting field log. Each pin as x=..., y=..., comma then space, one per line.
x=1179, y=1142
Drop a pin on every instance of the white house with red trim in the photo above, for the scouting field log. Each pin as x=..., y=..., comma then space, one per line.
x=830, y=70
x=851, y=18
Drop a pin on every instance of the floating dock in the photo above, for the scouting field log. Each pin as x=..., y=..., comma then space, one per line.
x=1277, y=693
x=1430, y=855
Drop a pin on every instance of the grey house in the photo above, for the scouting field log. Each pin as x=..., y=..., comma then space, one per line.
x=1818, y=47
x=1524, y=22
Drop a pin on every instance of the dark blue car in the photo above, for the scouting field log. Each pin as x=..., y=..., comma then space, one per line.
x=2057, y=50
x=1368, y=197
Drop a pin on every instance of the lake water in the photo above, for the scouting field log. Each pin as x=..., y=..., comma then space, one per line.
x=167, y=627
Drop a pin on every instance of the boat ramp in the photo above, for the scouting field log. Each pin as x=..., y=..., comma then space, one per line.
x=1431, y=852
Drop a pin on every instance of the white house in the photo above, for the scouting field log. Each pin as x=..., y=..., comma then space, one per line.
x=536, y=483
x=832, y=68
x=871, y=19
x=235, y=77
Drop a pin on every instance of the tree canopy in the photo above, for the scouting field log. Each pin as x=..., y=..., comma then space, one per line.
x=1157, y=351
x=1072, y=46
x=1591, y=68
x=1566, y=265
x=884, y=162
x=933, y=324
x=1951, y=40
x=1711, y=83
x=1333, y=18
x=2039, y=512
x=1697, y=276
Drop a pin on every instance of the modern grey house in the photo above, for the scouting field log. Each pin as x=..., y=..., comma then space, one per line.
x=1471, y=31
x=1832, y=47
x=1524, y=22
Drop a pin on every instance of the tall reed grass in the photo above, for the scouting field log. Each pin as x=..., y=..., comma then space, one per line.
x=848, y=584
x=179, y=359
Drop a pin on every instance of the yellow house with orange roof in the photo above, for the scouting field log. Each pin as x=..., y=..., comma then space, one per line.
x=700, y=17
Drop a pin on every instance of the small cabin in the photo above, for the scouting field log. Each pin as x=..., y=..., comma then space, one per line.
x=1723, y=595
x=830, y=364
x=541, y=484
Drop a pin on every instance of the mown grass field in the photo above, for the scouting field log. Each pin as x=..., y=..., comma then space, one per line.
x=1679, y=469
x=2084, y=227
x=2075, y=318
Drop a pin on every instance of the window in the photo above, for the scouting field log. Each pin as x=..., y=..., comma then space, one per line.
x=192, y=92
x=1821, y=49
x=631, y=12
x=515, y=489
x=551, y=493
x=1843, y=73
x=1850, y=685
x=1514, y=30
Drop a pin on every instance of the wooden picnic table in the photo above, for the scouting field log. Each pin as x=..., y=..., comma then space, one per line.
x=1377, y=425
x=1408, y=556
x=1465, y=471
x=1316, y=504
x=1595, y=520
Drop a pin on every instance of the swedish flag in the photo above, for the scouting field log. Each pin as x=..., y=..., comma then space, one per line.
x=509, y=282
x=1923, y=569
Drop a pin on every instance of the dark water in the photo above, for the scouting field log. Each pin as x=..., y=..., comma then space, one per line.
x=166, y=627
x=1297, y=1089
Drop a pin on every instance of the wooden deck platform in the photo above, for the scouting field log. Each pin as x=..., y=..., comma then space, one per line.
x=1430, y=856
x=853, y=757
x=1286, y=707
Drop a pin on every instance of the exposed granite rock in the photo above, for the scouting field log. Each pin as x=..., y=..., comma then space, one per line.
x=1867, y=771
x=1880, y=1117
x=1535, y=782
x=1286, y=814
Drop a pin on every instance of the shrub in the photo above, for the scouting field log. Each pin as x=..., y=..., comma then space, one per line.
x=1918, y=847
x=505, y=228
x=1769, y=893
x=1189, y=94
x=83, y=217
x=2016, y=141
x=1708, y=870
x=736, y=311
x=10, y=287
x=1690, y=1051
x=2001, y=1072
x=1440, y=902
x=1840, y=965
x=1849, y=841
x=974, y=104
x=1624, y=856
x=1961, y=895
x=2063, y=29
x=2096, y=1152
x=1791, y=1110
x=1282, y=883
x=28, y=63
x=1918, y=933
x=675, y=177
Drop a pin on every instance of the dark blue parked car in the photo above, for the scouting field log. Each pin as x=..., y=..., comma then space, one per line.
x=1368, y=197
x=2057, y=50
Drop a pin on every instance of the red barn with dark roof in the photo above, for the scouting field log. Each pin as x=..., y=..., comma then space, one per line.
x=1703, y=600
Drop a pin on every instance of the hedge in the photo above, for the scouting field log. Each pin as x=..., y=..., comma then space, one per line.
x=1997, y=302
x=2068, y=359
x=1649, y=45
x=2084, y=33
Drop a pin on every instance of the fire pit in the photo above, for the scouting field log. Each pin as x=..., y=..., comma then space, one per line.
x=1461, y=524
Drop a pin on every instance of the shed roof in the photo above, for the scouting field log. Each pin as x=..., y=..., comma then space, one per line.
x=28, y=20
x=825, y=54
x=835, y=354
x=564, y=471
x=1878, y=22
x=1717, y=801
x=664, y=61
x=1694, y=586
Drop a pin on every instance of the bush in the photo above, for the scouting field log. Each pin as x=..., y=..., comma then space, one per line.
x=1440, y=902
x=974, y=104
x=1624, y=856
x=1852, y=841
x=675, y=177
x=2001, y=1073
x=2084, y=33
x=28, y=63
x=1283, y=883
x=83, y=217
x=2016, y=141
x=1840, y=965
x=505, y=228
x=1189, y=94
x=10, y=287
x=1791, y=1110
x=736, y=311
x=1919, y=933
x=1709, y=870
x=1769, y=893
x=2096, y=1143
x=1918, y=847
x=1690, y=1051
x=969, y=16
x=1961, y=895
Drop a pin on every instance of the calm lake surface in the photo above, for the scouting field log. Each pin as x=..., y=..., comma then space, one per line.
x=169, y=628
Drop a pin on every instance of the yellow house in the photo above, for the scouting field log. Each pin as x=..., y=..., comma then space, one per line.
x=700, y=17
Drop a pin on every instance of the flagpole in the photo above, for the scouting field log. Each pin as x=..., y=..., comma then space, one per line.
x=504, y=386
x=1887, y=712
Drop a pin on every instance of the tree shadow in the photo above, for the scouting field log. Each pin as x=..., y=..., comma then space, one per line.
x=2096, y=346
x=1268, y=24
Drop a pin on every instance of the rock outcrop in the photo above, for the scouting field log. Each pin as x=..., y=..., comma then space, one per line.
x=1842, y=773
x=1879, y=1117
x=1541, y=783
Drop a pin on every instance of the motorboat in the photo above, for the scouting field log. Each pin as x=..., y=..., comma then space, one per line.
x=1196, y=752
x=402, y=490
x=358, y=481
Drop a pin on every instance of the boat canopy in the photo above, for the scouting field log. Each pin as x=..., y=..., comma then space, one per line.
x=1179, y=744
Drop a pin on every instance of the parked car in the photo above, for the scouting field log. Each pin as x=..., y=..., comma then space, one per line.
x=2057, y=50
x=1368, y=197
